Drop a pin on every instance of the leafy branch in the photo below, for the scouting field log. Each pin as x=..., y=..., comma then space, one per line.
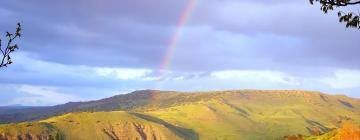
x=351, y=19
x=10, y=46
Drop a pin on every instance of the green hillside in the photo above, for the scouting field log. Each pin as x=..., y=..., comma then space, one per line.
x=231, y=115
x=87, y=126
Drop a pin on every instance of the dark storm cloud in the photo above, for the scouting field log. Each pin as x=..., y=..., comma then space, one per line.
x=324, y=41
x=123, y=33
x=136, y=33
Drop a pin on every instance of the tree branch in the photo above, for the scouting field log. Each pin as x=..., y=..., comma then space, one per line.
x=6, y=60
x=336, y=2
x=352, y=20
x=332, y=2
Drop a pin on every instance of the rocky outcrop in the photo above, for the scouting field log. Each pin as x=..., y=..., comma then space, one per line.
x=134, y=131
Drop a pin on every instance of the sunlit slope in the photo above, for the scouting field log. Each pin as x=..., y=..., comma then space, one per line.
x=262, y=114
x=349, y=131
x=27, y=131
x=97, y=126
x=245, y=114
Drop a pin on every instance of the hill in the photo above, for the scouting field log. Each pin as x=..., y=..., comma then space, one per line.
x=349, y=131
x=150, y=114
x=86, y=126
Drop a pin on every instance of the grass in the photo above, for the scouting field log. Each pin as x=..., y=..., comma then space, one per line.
x=231, y=115
x=85, y=126
x=37, y=129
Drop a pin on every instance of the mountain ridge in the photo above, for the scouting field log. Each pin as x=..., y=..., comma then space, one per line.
x=136, y=100
x=154, y=114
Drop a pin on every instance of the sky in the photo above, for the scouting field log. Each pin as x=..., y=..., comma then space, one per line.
x=80, y=50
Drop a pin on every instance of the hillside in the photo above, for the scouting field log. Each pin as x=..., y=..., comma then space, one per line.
x=99, y=125
x=243, y=114
x=349, y=131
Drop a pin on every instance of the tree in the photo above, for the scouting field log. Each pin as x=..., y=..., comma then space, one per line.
x=10, y=46
x=351, y=19
x=349, y=131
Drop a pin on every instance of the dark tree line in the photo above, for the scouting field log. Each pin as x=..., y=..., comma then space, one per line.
x=351, y=19
x=9, y=47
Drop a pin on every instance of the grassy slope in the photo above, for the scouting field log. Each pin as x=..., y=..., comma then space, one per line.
x=13, y=131
x=244, y=114
x=260, y=114
x=96, y=126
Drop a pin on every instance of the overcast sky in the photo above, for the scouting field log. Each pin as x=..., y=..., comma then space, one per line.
x=78, y=50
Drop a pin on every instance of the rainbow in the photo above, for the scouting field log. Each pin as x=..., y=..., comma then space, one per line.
x=184, y=17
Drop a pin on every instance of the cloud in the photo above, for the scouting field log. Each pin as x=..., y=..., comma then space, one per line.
x=94, y=49
x=31, y=81
x=71, y=30
x=5, y=12
x=287, y=34
x=344, y=79
x=123, y=73
x=28, y=69
x=43, y=96
x=257, y=76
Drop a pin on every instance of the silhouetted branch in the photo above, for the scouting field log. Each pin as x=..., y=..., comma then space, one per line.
x=6, y=59
x=336, y=2
x=352, y=20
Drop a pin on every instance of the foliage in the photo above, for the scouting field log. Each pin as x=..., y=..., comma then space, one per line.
x=351, y=19
x=10, y=46
x=349, y=131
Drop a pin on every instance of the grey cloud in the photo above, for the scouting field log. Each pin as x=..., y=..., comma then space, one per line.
x=136, y=34
x=290, y=36
x=325, y=42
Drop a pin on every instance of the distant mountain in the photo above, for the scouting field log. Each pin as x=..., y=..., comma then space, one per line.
x=152, y=114
x=9, y=108
x=134, y=100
